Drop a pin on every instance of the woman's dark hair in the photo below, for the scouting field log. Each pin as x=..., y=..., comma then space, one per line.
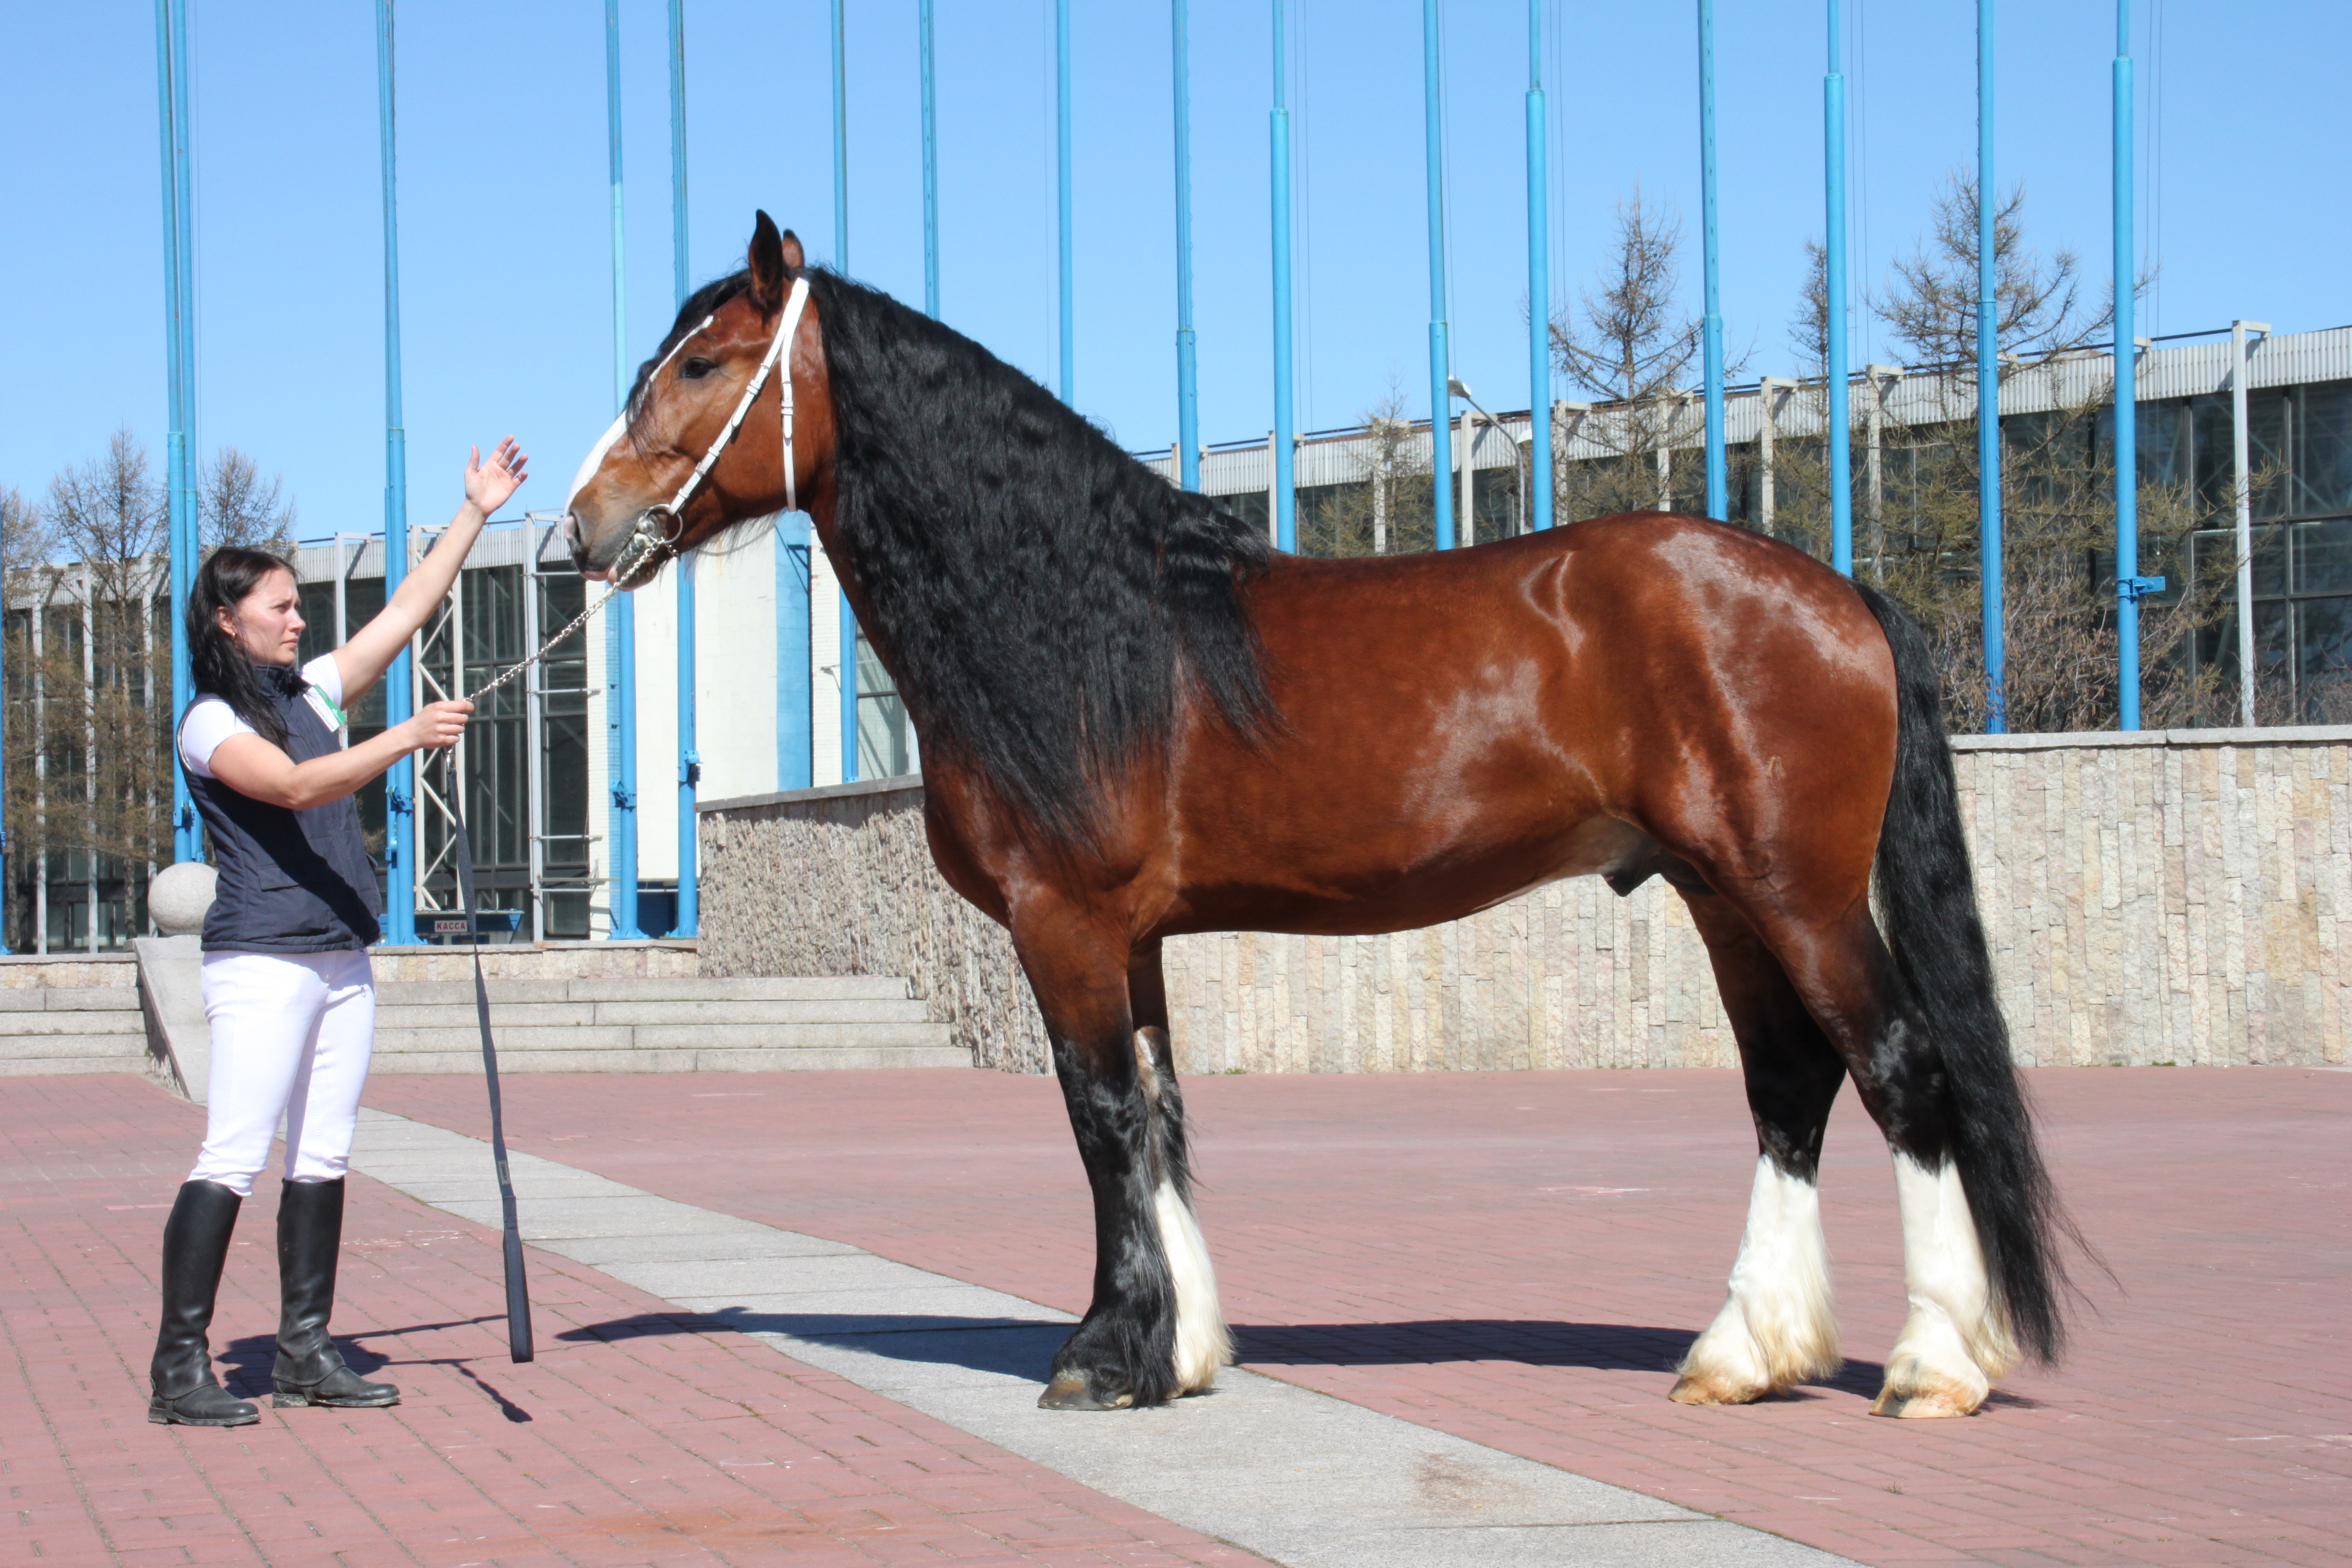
x=218, y=665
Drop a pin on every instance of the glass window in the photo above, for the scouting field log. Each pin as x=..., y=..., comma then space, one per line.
x=885, y=747
x=2323, y=661
x=2323, y=556
x=1251, y=506
x=362, y=602
x=2214, y=469
x=2266, y=452
x=2323, y=449
x=2163, y=443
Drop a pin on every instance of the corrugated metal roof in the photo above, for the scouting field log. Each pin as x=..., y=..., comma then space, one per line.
x=1914, y=397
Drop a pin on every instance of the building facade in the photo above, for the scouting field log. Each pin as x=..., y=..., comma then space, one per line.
x=784, y=699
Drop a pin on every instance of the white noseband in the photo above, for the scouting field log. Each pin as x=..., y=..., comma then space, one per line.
x=655, y=538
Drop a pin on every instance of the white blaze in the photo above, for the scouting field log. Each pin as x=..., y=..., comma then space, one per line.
x=595, y=460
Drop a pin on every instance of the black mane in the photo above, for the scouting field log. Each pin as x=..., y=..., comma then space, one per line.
x=1043, y=597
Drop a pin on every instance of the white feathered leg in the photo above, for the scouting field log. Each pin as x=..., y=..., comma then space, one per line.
x=1779, y=1326
x=1957, y=1340
x=1202, y=1342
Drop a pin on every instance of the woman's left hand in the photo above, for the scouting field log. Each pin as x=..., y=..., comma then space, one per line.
x=488, y=485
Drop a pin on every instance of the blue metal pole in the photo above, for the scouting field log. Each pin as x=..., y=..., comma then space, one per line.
x=1285, y=457
x=1718, y=498
x=1188, y=409
x=1834, y=280
x=2129, y=584
x=1440, y=402
x=930, y=172
x=689, y=760
x=846, y=670
x=399, y=784
x=185, y=845
x=1990, y=570
x=796, y=730
x=840, y=140
x=621, y=625
x=1062, y=142
x=681, y=274
x=1539, y=278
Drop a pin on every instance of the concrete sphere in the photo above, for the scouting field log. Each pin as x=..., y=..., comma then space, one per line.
x=179, y=896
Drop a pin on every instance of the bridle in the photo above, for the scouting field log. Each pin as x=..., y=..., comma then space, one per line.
x=655, y=538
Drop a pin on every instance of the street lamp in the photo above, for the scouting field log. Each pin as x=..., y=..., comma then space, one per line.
x=1469, y=459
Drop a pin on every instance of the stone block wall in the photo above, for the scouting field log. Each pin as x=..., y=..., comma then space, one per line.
x=68, y=972
x=657, y=959
x=2167, y=897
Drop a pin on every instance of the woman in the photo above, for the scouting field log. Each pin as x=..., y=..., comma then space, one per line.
x=285, y=980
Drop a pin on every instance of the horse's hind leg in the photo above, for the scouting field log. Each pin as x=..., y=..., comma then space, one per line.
x=1777, y=1326
x=1955, y=1339
x=1152, y=1331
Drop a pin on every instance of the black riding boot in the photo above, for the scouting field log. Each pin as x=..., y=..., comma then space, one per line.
x=195, y=1245
x=310, y=1369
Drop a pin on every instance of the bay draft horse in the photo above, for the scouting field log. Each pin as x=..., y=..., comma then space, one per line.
x=1136, y=720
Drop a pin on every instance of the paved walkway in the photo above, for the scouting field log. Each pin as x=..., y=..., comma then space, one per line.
x=689, y=1447
x=1309, y=1480
x=1518, y=1260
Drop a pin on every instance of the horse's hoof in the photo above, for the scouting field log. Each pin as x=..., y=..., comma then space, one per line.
x=1924, y=1403
x=1073, y=1394
x=1706, y=1388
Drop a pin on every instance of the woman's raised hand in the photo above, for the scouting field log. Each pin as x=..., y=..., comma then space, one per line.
x=488, y=485
x=438, y=724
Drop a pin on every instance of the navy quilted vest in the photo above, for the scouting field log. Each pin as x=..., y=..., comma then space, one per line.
x=290, y=882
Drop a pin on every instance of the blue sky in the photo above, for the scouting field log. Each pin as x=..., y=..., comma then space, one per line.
x=505, y=231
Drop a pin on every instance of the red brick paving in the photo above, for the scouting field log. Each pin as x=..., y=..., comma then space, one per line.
x=1520, y=1258
x=651, y=1442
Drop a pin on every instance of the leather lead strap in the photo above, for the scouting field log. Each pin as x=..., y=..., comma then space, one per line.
x=519, y=1343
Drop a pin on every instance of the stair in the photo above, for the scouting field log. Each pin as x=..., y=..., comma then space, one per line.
x=680, y=1025
x=46, y=1029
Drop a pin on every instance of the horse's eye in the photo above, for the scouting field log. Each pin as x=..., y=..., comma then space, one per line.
x=693, y=369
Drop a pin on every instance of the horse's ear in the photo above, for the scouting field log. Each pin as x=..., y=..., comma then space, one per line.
x=774, y=258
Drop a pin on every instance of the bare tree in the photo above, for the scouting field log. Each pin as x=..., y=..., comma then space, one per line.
x=1809, y=335
x=235, y=505
x=88, y=737
x=2057, y=490
x=1630, y=345
x=1389, y=508
x=1930, y=303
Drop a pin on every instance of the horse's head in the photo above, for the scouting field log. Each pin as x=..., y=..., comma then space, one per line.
x=625, y=518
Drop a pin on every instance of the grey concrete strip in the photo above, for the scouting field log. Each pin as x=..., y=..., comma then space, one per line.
x=1299, y=1478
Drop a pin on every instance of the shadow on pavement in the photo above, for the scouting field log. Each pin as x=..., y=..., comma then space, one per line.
x=1012, y=1346
x=1018, y=1348
x=1603, y=1347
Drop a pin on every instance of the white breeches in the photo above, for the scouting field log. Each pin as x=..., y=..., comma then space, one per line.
x=292, y=1034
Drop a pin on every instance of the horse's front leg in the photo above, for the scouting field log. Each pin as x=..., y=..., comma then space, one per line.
x=1120, y=1089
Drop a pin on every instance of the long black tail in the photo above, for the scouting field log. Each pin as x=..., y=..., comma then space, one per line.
x=1927, y=907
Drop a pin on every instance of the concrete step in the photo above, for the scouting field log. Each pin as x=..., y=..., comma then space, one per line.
x=83, y=999
x=134, y=1061
x=60, y=1025
x=89, y=1047
x=682, y=1037
x=800, y=1059
x=451, y=1015
x=819, y=988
